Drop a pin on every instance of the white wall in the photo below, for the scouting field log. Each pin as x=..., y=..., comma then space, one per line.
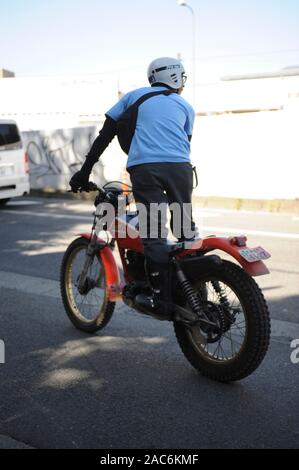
x=244, y=155
x=55, y=155
x=253, y=155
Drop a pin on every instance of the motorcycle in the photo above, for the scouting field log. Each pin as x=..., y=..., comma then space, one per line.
x=220, y=316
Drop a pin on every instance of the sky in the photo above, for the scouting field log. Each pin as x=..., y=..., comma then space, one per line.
x=56, y=37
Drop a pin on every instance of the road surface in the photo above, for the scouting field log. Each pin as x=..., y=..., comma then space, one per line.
x=130, y=386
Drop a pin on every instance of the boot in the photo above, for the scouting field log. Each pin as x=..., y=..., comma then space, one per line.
x=159, y=302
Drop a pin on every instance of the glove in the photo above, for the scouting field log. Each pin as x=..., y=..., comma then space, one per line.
x=79, y=182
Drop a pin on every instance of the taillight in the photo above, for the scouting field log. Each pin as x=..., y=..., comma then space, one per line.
x=239, y=241
x=26, y=163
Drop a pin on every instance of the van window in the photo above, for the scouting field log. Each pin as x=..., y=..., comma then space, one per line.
x=9, y=137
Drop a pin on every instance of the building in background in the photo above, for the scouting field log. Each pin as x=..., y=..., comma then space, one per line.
x=6, y=74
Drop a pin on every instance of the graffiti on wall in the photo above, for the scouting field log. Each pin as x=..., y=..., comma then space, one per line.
x=56, y=155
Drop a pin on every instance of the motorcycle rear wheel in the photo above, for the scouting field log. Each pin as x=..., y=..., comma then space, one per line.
x=246, y=329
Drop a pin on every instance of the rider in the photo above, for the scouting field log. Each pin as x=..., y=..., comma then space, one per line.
x=158, y=163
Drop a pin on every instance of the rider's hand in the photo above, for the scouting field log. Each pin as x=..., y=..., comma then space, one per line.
x=79, y=182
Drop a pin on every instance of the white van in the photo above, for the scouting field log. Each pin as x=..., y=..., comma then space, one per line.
x=14, y=164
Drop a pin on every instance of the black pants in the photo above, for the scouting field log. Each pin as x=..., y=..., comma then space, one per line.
x=162, y=183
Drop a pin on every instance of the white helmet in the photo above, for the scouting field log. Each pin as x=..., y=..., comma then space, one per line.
x=167, y=71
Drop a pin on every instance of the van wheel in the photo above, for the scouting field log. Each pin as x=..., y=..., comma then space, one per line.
x=3, y=201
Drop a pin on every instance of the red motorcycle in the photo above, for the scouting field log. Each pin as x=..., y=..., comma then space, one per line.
x=220, y=317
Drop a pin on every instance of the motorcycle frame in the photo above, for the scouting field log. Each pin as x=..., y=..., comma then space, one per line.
x=114, y=283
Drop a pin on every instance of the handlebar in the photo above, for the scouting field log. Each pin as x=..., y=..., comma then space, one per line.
x=107, y=194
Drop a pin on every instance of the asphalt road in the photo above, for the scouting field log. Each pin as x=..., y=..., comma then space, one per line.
x=130, y=386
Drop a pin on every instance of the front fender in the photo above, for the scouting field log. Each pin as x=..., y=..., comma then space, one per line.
x=114, y=287
x=258, y=268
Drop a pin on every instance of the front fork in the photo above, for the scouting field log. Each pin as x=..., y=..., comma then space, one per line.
x=92, y=248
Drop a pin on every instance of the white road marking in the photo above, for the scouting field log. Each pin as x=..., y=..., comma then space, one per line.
x=29, y=284
x=24, y=203
x=243, y=211
x=49, y=288
x=242, y=231
x=205, y=214
x=207, y=228
x=49, y=215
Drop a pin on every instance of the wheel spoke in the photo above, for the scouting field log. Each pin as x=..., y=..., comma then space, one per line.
x=231, y=341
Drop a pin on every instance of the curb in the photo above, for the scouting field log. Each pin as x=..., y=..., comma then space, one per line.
x=282, y=206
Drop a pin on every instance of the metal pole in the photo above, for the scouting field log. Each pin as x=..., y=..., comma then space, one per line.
x=184, y=4
x=193, y=53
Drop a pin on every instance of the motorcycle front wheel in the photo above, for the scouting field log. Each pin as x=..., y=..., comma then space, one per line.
x=90, y=310
x=232, y=300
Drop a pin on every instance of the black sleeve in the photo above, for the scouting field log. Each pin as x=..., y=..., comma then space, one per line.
x=106, y=135
x=190, y=138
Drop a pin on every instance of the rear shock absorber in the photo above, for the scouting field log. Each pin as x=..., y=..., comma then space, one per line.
x=221, y=294
x=188, y=291
x=229, y=315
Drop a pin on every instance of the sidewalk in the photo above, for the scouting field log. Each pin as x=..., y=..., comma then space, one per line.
x=287, y=206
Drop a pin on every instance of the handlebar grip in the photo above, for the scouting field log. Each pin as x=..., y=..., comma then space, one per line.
x=92, y=186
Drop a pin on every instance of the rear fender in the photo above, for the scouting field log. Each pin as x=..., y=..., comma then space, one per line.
x=114, y=286
x=258, y=268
